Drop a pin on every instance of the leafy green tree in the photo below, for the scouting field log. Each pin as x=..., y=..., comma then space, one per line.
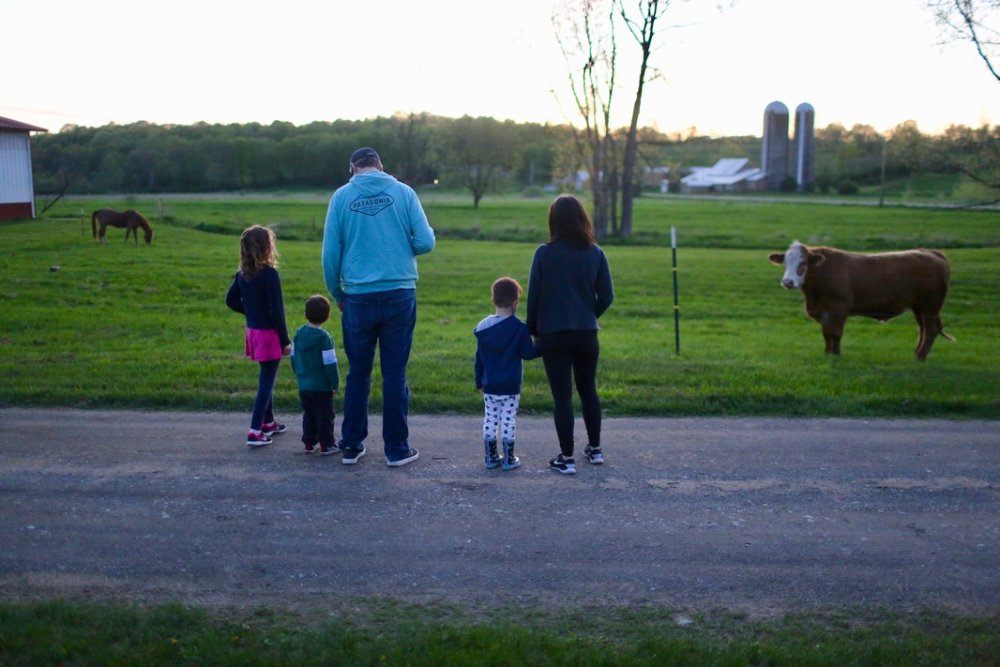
x=413, y=141
x=479, y=153
x=854, y=154
x=535, y=161
x=907, y=150
x=974, y=153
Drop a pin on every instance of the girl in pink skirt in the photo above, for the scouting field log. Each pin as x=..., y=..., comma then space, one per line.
x=256, y=292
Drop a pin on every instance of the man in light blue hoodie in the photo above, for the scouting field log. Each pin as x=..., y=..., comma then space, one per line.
x=375, y=228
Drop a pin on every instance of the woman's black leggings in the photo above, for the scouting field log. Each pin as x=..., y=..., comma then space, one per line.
x=569, y=356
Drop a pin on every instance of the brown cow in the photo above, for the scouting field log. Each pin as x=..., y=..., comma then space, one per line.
x=837, y=283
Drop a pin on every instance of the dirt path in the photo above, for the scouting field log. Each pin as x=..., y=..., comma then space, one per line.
x=759, y=515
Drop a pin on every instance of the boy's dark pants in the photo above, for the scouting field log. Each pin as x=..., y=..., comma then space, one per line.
x=317, y=417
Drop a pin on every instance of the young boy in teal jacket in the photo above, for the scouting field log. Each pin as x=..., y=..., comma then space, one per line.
x=314, y=361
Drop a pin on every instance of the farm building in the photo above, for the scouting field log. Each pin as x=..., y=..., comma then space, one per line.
x=726, y=175
x=655, y=177
x=17, y=189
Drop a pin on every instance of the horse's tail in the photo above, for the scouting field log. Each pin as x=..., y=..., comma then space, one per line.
x=93, y=223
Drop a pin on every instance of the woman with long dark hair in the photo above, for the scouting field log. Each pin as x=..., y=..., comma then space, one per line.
x=568, y=289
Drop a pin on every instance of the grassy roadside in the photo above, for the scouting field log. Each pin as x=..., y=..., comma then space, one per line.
x=376, y=632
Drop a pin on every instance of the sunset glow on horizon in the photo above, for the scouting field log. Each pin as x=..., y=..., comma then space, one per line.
x=117, y=61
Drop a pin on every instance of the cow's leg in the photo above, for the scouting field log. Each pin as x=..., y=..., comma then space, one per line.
x=833, y=329
x=922, y=336
x=930, y=328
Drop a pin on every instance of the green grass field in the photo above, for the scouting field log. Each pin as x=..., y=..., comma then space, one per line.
x=145, y=327
x=731, y=224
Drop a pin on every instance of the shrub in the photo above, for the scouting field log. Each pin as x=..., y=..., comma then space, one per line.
x=847, y=187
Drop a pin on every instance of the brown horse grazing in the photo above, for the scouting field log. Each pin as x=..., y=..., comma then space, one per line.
x=130, y=220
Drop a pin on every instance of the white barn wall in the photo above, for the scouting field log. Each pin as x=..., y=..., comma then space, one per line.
x=16, y=186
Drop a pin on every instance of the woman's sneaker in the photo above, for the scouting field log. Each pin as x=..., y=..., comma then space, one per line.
x=329, y=451
x=565, y=465
x=272, y=428
x=258, y=439
x=594, y=454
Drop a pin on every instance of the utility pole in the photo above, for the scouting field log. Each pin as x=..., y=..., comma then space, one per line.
x=881, y=183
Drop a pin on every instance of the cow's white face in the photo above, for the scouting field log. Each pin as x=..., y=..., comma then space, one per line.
x=795, y=260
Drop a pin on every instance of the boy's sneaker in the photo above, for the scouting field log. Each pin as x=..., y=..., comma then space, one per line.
x=565, y=465
x=329, y=451
x=310, y=448
x=272, y=428
x=594, y=454
x=351, y=455
x=411, y=456
x=258, y=440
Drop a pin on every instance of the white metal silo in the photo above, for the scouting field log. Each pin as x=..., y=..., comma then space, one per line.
x=805, y=155
x=774, y=145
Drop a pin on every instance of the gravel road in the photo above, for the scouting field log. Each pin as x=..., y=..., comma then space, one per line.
x=755, y=515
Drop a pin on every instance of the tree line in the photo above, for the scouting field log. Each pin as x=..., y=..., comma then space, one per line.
x=479, y=155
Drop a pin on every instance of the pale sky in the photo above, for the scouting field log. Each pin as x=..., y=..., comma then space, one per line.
x=94, y=62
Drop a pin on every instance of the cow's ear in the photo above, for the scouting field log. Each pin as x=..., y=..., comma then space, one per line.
x=777, y=257
x=815, y=259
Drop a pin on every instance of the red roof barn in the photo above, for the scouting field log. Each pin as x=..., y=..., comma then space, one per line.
x=17, y=190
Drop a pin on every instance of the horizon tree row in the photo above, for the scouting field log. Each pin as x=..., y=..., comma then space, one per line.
x=479, y=155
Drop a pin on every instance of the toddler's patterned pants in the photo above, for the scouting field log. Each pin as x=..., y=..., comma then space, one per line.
x=500, y=417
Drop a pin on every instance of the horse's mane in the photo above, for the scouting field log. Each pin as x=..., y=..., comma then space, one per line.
x=142, y=221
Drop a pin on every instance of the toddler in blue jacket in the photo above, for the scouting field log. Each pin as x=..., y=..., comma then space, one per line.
x=502, y=341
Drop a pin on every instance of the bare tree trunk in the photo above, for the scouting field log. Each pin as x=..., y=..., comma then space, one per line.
x=599, y=193
x=593, y=94
x=650, y=11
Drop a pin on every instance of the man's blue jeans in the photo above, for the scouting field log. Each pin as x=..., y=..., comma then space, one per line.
x=385, y=319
